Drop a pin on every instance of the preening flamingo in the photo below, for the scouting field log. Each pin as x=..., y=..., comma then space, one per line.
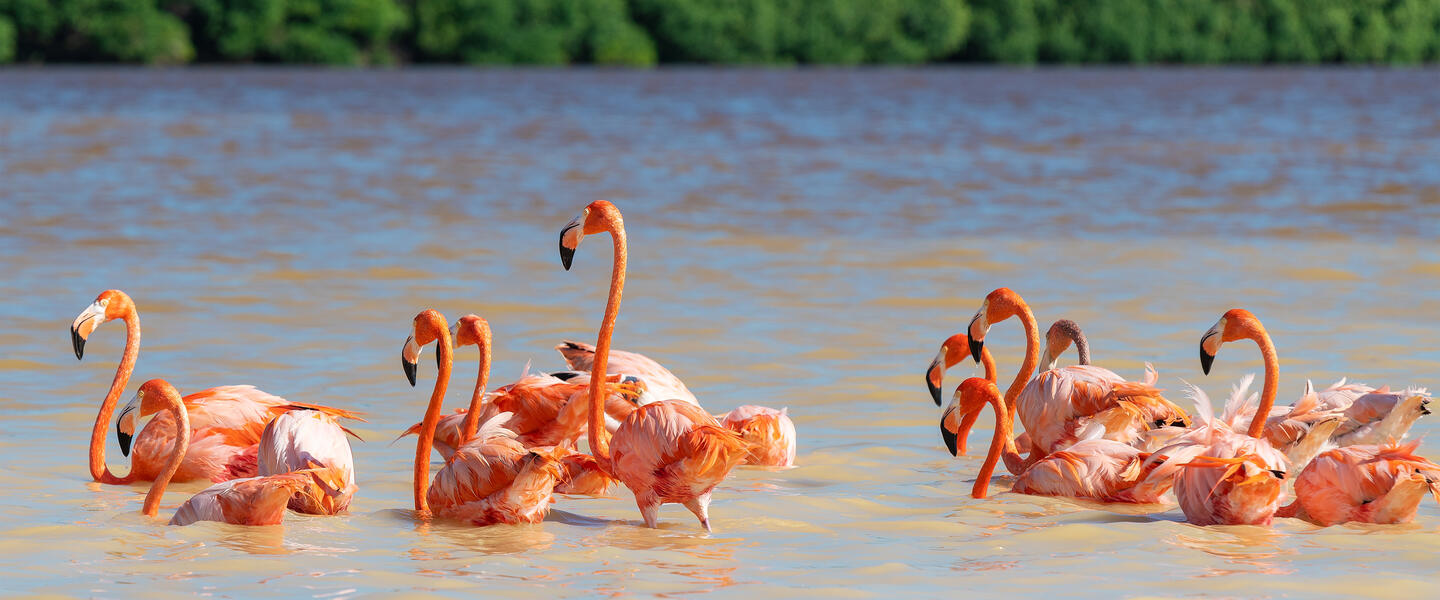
x=662, y=383
x=226, y=421
x=769, y=432
x=310, y=440
x=1224, y=476
x=247, y=501
x=1092, y=467
x=491, y=478
x=1368, y=484
x=668, y=451
x=1059, y=403
x=546, y=409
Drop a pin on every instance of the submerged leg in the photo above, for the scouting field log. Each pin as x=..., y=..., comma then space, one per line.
x=701, y=507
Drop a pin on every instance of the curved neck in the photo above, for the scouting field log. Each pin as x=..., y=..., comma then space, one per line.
x=1272, y=382
x=1032, y=358
x=432, y=418
x=98, y=469
x=989, y=361
x=177, y=454
x=472, y=417
x=599, y=442
x=1082, y=347
x=1000, y=445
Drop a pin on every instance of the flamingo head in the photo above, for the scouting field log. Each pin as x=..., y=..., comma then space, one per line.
x=969, y=400
x=148, y=400
x=953, y=350
x=597, y=217
x=1235, y=324
x=427, y=327
x=108, y=306
x=1057, y=341
x=999, y=305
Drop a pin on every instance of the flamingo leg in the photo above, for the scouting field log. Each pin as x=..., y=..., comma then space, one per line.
x=701, y=507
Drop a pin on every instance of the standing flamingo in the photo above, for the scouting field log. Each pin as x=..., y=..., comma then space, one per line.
x=491, y=478
x=247, y=501
x=1059, y=403
x=1223, y=476
x=546, y=409
x=1092, y=467
x=1368, y=484
x=668, y=451
x=310, y=440
x=227, y=421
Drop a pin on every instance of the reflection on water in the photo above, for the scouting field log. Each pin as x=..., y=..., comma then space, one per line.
x=798, y=239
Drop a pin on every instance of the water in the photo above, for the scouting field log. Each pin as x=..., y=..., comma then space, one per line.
x=798, y=238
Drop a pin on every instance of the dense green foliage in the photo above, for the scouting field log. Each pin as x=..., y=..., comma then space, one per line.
x=643, y=32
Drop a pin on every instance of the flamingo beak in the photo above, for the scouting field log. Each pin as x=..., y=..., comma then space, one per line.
x=409, y=355
x=952, y=439
x=125, y=424
x=978, y=327
x=1210, y=345
x=570, y=238
x=934, y=375
x=84, y=324
x=1048, y=360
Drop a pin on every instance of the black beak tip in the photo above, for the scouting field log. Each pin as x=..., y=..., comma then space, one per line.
x=1206, y=359
x=567, y=255
x=124, y=439
x=79, y=344
x=1277, y=473
x=951, y=440
x=410, y=369
x=976, y=346
x=934, y=391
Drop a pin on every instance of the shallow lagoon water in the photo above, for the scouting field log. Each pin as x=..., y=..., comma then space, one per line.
x=798, y=238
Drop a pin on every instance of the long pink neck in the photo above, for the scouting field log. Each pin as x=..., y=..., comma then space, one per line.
x=1000, y=445
x=432, y=419
x=472, y=417
x=176, y=406
x=99, y=471
x=1272, y=381
x=599, y=437
x=1027, y=367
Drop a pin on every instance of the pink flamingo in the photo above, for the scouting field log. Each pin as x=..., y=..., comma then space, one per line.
x=1223, y=476
x=1368, y=484
x=662, y=383
x=491, y=478
x=669, y=451
x=227, y=421
x=1059, y=403
x=247, y=501
x=311, y=441
x=1092, y=467
x=954, y=349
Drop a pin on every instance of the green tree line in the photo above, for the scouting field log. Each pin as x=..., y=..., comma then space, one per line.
x=646, y=32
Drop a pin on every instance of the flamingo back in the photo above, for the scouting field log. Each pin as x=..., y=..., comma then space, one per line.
x=308, y=439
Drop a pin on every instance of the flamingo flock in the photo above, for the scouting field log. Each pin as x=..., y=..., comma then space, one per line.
x=1335, y=455
x=506, y=455
x=1092, y=435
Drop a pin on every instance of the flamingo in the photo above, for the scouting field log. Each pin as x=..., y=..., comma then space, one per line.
x=1368, y=484
x=310, y=440
x=770, y=433
x=1092, y=467
x=546, y=409
x=227, y=421
x=954, y=349
x=491, y=478
x=1362, y=415
x=662, y=383
x=1059, y=403
x=670, y=451
x=245, y=501
x=1222, y=475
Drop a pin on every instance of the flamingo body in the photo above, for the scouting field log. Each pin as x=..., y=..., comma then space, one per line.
x=674, y=452
x=1367, y=484
x=313, y=440
x=247, y=501
x=662, y=384
x=1057, y=404
x=494, y=479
